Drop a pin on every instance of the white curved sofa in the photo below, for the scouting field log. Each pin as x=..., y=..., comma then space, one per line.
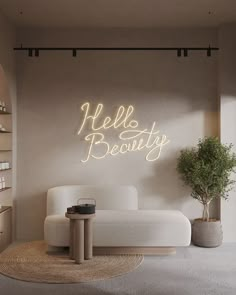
x=118, y=221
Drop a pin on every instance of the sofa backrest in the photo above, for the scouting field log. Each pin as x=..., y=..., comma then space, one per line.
x=107, y=197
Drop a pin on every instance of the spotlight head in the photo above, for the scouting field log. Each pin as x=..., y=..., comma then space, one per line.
x=36, y=52
x=74, y=53
x=185, y=52
x=179, y=52
x=30, y=52
x=209, y=51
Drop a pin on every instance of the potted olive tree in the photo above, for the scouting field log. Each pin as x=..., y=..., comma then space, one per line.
x=207, y=170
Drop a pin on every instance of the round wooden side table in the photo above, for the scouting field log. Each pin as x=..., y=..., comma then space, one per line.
x=81, y=236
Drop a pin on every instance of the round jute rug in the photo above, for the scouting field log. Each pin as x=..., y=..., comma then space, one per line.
x=30, y=262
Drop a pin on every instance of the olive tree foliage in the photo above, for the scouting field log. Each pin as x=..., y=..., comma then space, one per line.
x=207, y=169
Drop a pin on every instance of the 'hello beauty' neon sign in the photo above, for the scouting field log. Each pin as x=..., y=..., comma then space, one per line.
x=132, y=138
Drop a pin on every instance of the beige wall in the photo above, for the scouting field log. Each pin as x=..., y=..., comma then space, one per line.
x=179, y=93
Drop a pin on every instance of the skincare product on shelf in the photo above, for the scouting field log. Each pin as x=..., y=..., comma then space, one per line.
x=4, y=165
x=0, y=106
x=2, y=128
x=3, y=182
x=4, y=107
x=0, y=183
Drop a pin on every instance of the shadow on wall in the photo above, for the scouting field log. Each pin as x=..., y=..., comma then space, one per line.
x=212, y=123
x=4, y=87
x=167, y=190
x=165, y=184
x=34, y=208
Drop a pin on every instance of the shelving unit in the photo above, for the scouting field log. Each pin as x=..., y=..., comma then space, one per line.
x=5, y=227
x=6, y=147
x=5, y=142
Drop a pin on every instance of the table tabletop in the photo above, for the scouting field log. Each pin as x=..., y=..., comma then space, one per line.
x=79, y=216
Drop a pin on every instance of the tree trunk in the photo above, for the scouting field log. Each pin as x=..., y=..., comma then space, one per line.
x=205, y=215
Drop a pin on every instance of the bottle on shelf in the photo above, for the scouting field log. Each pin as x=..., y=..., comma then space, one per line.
x=0, y=183
x=4, y=109
x=3, y=106
x=3, y=182
x=2, y=128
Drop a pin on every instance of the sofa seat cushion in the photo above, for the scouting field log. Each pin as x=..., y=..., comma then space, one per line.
x=141, y=228
x=127, y=228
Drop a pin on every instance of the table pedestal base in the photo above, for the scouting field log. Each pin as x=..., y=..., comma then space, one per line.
x=81, y=237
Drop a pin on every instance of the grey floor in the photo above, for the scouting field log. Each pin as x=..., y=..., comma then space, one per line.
x=192, y=271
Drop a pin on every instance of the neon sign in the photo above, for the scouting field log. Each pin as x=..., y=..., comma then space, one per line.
x=132, y=138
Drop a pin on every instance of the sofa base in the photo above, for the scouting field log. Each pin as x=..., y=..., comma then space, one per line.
x=162, y=251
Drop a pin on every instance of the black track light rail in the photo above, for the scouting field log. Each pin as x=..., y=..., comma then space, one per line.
x=74, y=50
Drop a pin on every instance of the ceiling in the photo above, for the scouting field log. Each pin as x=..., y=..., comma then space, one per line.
x=119, y=13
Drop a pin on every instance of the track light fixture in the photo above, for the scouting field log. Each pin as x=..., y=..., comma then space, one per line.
x=74, y=50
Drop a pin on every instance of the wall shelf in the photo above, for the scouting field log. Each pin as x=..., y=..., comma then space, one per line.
x=4, y=113
x=5, y=131
x=5, y=189
x=4, y=208
x=5, y=151
x=5, y=169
